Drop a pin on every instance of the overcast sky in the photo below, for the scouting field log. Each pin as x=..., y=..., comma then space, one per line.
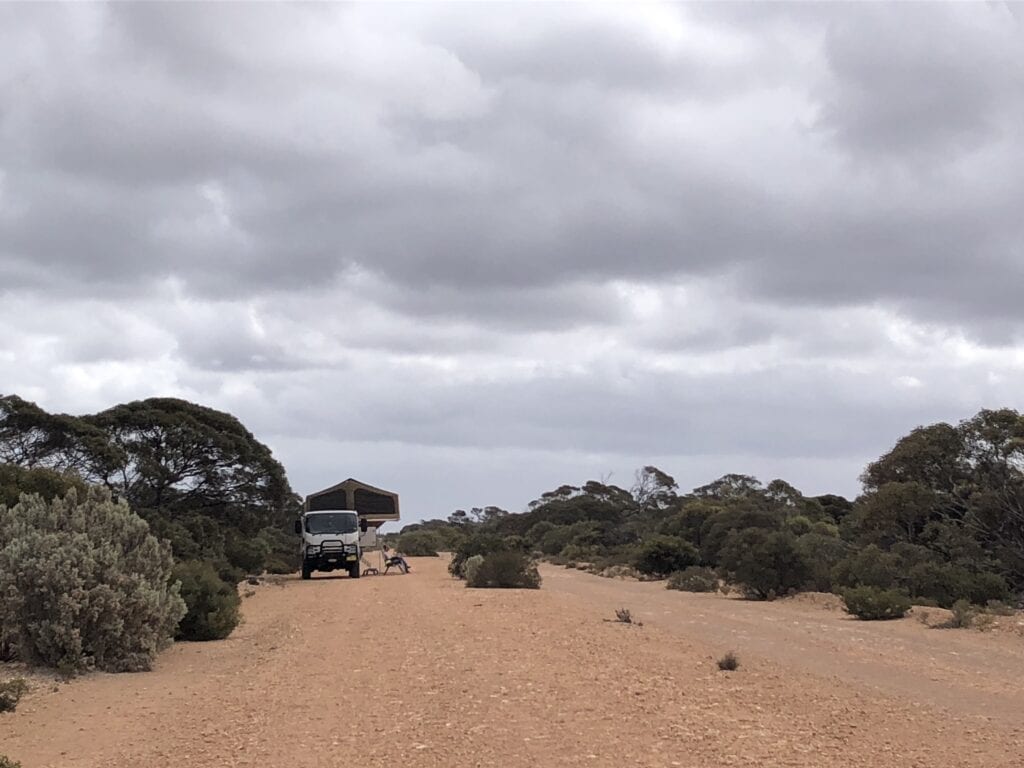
x=472, y=252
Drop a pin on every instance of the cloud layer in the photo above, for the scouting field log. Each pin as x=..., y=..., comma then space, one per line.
x=473, y=252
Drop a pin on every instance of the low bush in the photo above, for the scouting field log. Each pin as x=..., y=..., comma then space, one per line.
x=248, y=554
x=1000, y=608
x=11, y=693
x=280, y=566
x=84, y=584
x=874, y=604
x=617, y=572
x=729, y=663
x=694, y=579
x=6, y=762
x=578, y=552
x=661, y=555
x=479, y=544
x=283, y=550
x=505, y=570
x=940, y=583
x=870, y=567
x=962, y=615
x=472, y=566
x=766, y=564
x=623, y=616
x=419, y=544
x=212, y=603
x=986, y=587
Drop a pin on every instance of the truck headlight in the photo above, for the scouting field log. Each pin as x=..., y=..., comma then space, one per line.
x=312, y=549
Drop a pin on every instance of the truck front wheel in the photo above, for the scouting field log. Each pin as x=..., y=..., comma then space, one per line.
x=307, y=571
x=353, y=572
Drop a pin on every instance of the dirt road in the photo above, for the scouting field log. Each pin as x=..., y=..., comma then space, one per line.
x=419, y=671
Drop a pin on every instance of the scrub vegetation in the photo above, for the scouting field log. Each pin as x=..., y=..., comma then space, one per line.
x=124, y=529
x=940, y=522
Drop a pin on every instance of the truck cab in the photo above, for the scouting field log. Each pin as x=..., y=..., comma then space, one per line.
x=330, y=541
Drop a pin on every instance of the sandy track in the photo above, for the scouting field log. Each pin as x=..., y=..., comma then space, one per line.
x=419, y=671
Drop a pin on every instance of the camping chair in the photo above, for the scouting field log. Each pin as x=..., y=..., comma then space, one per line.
x=395, y=562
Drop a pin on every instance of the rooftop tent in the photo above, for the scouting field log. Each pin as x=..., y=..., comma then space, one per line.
x=374, y=505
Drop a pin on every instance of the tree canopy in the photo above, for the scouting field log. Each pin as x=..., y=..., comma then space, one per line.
x=201, y=479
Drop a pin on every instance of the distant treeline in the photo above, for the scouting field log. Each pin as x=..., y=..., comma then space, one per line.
x=941, y=518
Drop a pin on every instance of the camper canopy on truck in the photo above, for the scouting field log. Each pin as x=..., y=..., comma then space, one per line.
x=338, y=522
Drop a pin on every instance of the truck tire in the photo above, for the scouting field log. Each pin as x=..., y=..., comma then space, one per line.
x=353, y=572
x=307, y=572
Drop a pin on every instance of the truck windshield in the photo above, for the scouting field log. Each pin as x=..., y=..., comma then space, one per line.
x=331, y=522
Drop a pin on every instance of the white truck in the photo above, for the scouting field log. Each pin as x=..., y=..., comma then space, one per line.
x=330, y=541
x=339, y=523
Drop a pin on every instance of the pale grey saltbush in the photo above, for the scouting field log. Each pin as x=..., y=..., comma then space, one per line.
x=84, y=584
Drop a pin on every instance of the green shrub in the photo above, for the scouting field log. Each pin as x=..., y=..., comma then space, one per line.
x=798, y=525
x=555, y=539
x=537, y=531
x=824, y=528
x=694, y=579
x=720, y=526
x=83, y=584
x=874, y=604
x=945, y=583
x=419, y=544
x=227, y=572
x=506, y=570
x=283, y=550
x=6, y=762
x=48, y=483
x=248, y=554
x=821, y=553
x=766, y=564
x=11, y=693
x=477, y=544
x=471, y=567
x=577, y=552
x=870, y=567
x=661, y=555
x=987, y=587
x=212, y=603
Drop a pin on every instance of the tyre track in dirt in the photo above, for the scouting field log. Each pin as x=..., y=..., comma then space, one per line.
x=419, y=671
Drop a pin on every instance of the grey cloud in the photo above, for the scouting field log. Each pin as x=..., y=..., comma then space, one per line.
x=545, y=182
x=432, y=219
x=924, y=82
x=616, y=408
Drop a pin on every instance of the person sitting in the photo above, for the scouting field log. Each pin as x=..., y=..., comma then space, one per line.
x=392, y=558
